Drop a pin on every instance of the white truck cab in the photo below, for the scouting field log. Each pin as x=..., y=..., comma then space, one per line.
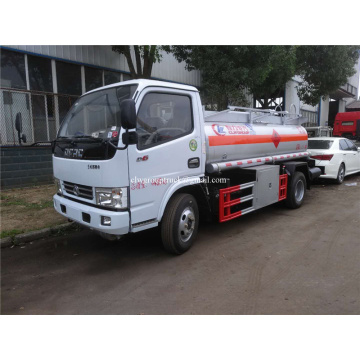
x=131, y=155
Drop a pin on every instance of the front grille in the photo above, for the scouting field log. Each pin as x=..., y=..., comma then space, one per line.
x=81, y=191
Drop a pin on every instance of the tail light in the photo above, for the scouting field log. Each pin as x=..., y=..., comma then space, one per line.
x=322, y=157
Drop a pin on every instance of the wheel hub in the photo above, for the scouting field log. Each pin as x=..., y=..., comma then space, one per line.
x=341, y=174
x=299, y=191
x=186, y=224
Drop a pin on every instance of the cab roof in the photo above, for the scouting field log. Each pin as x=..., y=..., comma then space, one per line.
x=143, y=83
x=351, y=115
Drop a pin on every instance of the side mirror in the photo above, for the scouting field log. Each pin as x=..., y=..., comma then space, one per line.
x=18, y=127
x=130, y=138
x=18, y=123
x=128, y=114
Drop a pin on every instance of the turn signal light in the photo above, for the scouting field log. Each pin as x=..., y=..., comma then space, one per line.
x=322, y=157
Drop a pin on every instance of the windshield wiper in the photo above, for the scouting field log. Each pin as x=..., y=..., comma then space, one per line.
x=63, y=139
x=79, y=138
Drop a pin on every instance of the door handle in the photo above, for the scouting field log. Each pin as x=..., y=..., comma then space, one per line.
x=194, y=163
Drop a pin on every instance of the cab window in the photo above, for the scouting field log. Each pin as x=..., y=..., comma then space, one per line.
x=163, y=117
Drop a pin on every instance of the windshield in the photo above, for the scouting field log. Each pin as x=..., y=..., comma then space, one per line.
x=96, y=115
x=320, y=144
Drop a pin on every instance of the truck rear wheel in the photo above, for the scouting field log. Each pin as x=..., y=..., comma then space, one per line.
x=180, y=223
x=296, y=191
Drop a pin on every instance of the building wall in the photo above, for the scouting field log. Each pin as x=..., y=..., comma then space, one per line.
x=21, y=166
x=342, y=105
x=168, y=69
x=43, y=100
x=291, y=97
x=294, y=104
x=318, y=114
x=35, y=107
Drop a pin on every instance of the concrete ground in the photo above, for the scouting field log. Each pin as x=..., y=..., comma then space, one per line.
x=273, y=261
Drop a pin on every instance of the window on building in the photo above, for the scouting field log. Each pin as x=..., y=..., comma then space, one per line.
x=42, y=107
x=111, y=77
x=126, y=77
x=40, y=76
x=39, y=117
x=93, y=78
x=12, y=70
x=162, y=118
x=68, y=78
x=51, y=116
x=14, y=103
x=311, y=115
x=65, y=103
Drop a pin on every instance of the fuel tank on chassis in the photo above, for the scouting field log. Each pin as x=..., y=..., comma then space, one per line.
x=227, y=141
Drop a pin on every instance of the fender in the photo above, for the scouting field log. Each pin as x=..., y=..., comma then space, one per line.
x=302, y=166
x=175, y=187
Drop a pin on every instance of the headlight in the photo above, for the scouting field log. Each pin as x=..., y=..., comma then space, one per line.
x=112, y=197
x=58, y=186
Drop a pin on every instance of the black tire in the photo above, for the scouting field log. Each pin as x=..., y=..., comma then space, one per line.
x=178, y=214
x=341, y=174
x=296, y=191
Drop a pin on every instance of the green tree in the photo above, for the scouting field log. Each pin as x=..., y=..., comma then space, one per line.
x=324, y=69
x=145, y=57
x=264, y=70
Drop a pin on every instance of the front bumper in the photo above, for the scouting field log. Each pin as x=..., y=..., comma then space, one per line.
x=75, y=211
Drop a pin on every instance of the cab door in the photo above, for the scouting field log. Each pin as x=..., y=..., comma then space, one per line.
x=168, y=149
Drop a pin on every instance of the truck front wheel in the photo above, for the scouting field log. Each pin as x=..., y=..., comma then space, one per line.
x=296, y=191
x=180, y=223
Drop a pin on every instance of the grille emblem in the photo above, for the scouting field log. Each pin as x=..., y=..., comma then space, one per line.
x=74, y=153
x=76, y=190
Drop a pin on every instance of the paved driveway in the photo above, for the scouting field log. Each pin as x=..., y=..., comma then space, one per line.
x=274, y=261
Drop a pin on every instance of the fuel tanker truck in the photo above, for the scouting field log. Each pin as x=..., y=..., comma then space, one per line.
x=139, y=154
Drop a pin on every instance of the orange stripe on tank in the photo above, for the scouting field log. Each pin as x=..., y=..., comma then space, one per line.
x=253, y=139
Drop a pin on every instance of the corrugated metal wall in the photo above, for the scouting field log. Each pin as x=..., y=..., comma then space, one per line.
x=168, y=69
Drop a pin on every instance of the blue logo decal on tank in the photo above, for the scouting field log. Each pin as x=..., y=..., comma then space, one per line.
x=252, y=131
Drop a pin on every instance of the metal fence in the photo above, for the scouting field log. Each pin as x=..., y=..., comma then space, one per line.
x=312, y=117
x=41, y=113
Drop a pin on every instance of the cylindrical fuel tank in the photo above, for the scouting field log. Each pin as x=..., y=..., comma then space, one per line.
x=226, y=141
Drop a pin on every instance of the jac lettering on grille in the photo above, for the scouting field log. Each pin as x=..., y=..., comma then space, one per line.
x=74, y=153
